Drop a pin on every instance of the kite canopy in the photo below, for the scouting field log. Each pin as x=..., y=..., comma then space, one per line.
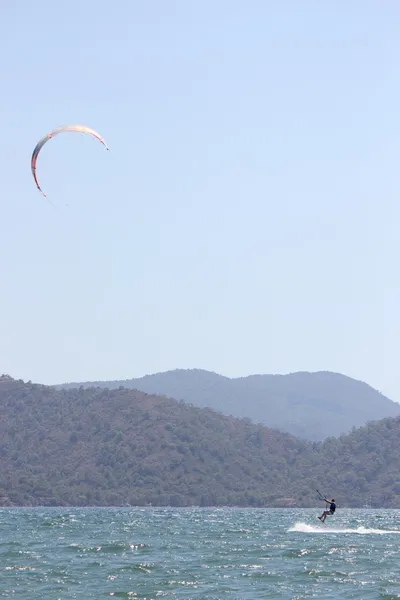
x=56, y=131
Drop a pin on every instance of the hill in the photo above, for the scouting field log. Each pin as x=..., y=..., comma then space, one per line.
x=310, y=406
x=363, y=467
x=97, y=446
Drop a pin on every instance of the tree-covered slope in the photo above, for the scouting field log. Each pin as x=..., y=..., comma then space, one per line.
x=99, y=446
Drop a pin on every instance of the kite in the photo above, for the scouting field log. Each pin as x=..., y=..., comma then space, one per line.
x=56, y=131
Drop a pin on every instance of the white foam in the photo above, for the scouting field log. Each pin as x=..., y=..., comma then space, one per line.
x=305, y=528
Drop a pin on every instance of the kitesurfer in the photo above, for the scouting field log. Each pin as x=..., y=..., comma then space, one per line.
x=330, y=511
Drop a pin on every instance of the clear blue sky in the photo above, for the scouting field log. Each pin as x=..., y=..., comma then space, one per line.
x=247, y=217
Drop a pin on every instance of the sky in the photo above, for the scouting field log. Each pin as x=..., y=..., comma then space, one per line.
x=246, y=219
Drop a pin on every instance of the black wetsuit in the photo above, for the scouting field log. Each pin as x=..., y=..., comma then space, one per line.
x=332, y=508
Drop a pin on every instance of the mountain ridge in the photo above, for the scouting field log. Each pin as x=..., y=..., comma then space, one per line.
x=309, y=405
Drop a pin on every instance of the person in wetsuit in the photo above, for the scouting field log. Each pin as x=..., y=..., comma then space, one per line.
x=330, y=511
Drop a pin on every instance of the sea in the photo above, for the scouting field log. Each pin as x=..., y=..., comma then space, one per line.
x=198, y=553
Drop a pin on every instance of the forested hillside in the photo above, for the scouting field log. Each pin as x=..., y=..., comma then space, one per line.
x=310, y=406
x=97, y=446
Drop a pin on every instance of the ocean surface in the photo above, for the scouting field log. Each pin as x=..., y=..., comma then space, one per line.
x=213, y=554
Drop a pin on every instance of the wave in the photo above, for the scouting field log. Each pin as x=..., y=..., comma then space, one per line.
x=305, y=528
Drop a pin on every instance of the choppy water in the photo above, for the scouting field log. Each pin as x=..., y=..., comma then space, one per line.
x=212, y=554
